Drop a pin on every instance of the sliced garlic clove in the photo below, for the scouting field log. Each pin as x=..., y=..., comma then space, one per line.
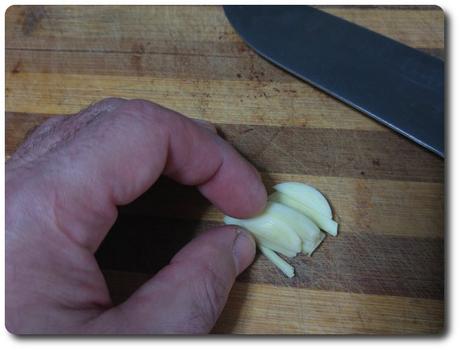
x=287, y=269
x=325, y=223
x=307, y=195
x=228, y=220
x=290, y=224
x=272, y=229
x=310, y=246
x=330, y=226
x=275, y=247
x=303, y=226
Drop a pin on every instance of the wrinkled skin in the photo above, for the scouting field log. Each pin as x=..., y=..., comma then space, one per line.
x=62, y=188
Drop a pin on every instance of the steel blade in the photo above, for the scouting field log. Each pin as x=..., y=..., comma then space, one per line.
x=398, y=86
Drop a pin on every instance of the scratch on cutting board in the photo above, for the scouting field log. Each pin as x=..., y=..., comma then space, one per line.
x=282, y=150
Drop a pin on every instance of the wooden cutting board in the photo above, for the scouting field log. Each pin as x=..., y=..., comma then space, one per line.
x=384, y=273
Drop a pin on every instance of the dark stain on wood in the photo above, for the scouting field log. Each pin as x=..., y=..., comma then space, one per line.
x=17, y=67
x=138, y=50
x=242, y=47
x=31, y=18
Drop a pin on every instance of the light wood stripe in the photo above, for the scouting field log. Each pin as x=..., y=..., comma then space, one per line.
x=29, y=27
x=382, y=207
x=279, y=310
x=32, y=26
x=265, y=309
x=244, y=66
x=231, y=102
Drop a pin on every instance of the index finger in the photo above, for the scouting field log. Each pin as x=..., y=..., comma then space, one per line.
x=117, y=157
x=196, y=156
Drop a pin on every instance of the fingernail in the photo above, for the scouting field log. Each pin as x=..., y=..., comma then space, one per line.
x=244, y=249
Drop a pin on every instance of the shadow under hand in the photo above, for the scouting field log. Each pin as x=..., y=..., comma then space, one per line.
x=148, y=233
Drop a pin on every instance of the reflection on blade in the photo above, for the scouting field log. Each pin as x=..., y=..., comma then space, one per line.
x=390, y=82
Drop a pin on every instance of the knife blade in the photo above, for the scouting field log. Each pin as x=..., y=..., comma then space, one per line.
x=396, y=85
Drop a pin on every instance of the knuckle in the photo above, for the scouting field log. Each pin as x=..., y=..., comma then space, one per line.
x=37, y=141
x=107, y=104
x=45, y=127
x=99, y=108
x=112, y=103
x=146, y=113
x=112, y=100
x=141, y=106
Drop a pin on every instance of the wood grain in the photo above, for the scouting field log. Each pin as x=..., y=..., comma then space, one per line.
x=260, y=309
x=354, y=262
x=47, y=27
x=359, y=154
x=219, y=101
x=383, y=274
x=281, y=310
x=361, y=204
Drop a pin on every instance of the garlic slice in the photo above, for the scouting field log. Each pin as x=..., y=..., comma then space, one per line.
x=287, y=269
x=304, y=227
x=326, y=224
x=290, y=223
x=269, y=228
x=307, y=195
x=309, y=247
x=308, y=232
x=275, y=247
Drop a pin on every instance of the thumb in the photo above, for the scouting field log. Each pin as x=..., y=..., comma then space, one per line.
x=188, y=295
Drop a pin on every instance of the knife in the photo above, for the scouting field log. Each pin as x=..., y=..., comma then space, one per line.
x=396, y=85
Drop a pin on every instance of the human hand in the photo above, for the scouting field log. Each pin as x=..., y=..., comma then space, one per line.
x=63, y=186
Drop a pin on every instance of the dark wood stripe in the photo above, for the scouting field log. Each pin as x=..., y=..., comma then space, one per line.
x=350, y=153
x=357, y=263
x=364, y=263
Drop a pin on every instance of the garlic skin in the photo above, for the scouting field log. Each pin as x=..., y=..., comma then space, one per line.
x=290, y=223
